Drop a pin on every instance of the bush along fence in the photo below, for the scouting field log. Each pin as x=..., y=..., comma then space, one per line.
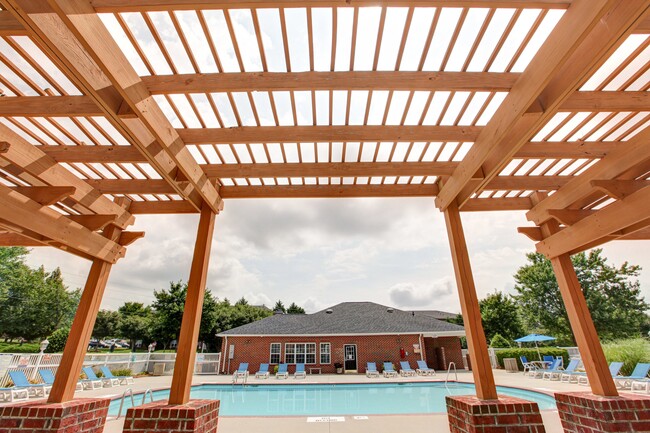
x=530, y=354
x=137, y=363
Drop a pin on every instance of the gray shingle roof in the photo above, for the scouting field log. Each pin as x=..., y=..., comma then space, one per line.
x=437, y=314
x=349, y=318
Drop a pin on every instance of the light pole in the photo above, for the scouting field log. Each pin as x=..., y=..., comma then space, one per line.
x=43, y=346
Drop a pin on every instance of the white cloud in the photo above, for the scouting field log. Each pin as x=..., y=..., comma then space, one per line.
x=410, y=295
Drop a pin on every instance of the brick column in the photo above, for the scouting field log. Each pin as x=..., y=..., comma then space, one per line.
x=588, y=413
x=469, y=414
x=200, y=416
x=84, y=415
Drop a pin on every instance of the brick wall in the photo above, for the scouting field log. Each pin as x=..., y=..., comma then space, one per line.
x=83, y=415
x=199, y=416
x=441, y=351
x=468, y=414
x=372, y=348
x=587, y=413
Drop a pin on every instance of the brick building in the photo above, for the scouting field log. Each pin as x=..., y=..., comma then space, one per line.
x=350, y=333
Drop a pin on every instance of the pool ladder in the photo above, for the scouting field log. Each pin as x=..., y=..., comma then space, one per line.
x=451, y=364
x=129, y=393
x=235, y=376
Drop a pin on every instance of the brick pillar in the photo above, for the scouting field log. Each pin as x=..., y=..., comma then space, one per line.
x=160, y=417
x=587, y=413
x=469, y=414
x=85, y=415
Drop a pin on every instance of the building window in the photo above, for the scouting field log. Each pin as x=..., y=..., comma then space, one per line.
x=275, y=353
x=300, y=353
x=325, y=353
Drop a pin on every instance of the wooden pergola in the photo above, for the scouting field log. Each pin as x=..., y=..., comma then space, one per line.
x=114, y=108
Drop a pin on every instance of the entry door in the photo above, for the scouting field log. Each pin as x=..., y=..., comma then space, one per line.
x=350, y=357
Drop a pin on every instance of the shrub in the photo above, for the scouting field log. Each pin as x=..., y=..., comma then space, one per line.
x=531, y=354
x=499, y=341
x=57, y=340
x=122, y=372
x=630, y=351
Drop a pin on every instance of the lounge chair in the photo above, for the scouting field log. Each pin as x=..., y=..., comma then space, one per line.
x=614, y=369
x=640, y=384
x=424, y=369
x=640, y=372
x=263, y=372
x=548, y=360
x=528, y=366
x=371, y=370
x=282, y=372
x=300, y=371
x=405, y=369
x=93, y=381
x=34, y=390
x=48, y=378
x=8, y=395
x=389, y=371
x=557, y=372
x=539, y=373
x=122, y=380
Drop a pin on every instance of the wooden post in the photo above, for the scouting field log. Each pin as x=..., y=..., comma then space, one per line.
x=584, y=331
x=481, y=368
x=184, y=366
x=81, y=330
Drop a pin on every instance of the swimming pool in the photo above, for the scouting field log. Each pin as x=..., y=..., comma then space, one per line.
x=348, y=399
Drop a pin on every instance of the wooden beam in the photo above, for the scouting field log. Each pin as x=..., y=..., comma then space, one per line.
x=49, y=106
x=161, y=5
x=606, y=101
x=11, y=239
x=481, y=368
x=36, y=168
x=532, y=233
x=93, y=222
x=76, y=39
x=635, y=153
x=20, y=211
x=568, y=217
x=189, y=333
x=127, y=238
x=45, y=195
x=582, y=325
x=619, y=189
x=9, y=26
x=76, y=345
x=310, y=134
x=161, y=207
x=588, y=33
x=497, y=204
x=617, y=216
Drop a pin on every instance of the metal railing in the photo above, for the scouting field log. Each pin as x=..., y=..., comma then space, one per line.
x=451, y=364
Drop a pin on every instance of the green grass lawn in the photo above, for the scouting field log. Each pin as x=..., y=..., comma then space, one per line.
x=17, y=348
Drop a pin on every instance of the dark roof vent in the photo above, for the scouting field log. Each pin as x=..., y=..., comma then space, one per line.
x=329, y=311
x=389, y=310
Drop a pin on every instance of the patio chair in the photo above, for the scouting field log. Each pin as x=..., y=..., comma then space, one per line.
x=300, y=371
x=405, y=369
x=640, y=384
x=389, y=371
x=424, y=369
x=34, y=390
x=263, y=372
x=371, y=370
x=614, y=369
x=8, y=395
x=93, y=381
x=640, y=372
x=122, y=380
x=528, y=366
x=48, y=378
x=282, y=372
x=548, y=360
x=242, y=371
x=539, y=373
x=558, y=371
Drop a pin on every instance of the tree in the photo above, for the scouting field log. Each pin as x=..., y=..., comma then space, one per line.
x=500, y=315
x=613, y=298
x=106, y=324
x=294, y=309
x=279, y=306
x=499, y=341
x=135, y=321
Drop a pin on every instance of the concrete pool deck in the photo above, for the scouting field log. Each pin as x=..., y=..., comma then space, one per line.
x=374, y=423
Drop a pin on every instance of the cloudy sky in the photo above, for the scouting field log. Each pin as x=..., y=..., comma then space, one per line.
x=319, y=252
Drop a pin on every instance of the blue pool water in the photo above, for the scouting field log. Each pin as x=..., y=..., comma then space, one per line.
x=349, y=399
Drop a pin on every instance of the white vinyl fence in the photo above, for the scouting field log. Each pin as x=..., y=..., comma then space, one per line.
x=30, y=363
x=574, y=353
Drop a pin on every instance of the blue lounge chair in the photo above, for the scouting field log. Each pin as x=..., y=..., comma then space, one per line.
x=93, y=381
x=121, y=380
x=389, y=371
x=528, y=366
x=8, y=395
x=48, y=378
x=424, y=369
x=241, y=372
x=557, y=372
x=614, y=369
x=371, y=370
x=34, y=390
x=300, y=371
x=263, y=372
x=640, y=373
x=548, y=360
x=282, y=371
x=539, y=373
x=405, y=369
